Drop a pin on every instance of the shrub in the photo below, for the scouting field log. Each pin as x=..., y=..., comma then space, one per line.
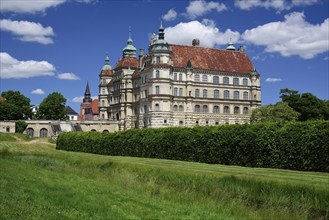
x=293, y=145
x=20, y=126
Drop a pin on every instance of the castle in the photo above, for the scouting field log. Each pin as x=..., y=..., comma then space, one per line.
x=178, y=85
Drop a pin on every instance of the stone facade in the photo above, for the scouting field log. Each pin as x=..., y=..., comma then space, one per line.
x=178, y=85
x=7, y=126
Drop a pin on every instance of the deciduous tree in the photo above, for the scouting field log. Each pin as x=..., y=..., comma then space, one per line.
x=15, y=106
x=52, y=107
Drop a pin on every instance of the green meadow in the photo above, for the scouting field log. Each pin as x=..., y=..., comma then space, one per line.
x=39, y=182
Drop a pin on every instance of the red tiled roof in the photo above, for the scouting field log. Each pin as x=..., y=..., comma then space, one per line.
x=106, y=73
x=94, y=106
x=126, y=62
x=211, y=59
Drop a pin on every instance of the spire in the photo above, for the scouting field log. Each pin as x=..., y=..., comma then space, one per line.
x=129, y=50
x=87, y=97
x=161, y=32
x=107, y=65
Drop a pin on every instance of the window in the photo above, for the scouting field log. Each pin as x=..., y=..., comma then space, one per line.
x=245, y=81
x=235, y=81
x=197, y=78
x=43, y=132
x=103, y=103
x=181, y=108
x=157, y=74
x=226, y=109
x=216, y=109
x=157, y=59
x=157, y=90
x=157, y=107
x=197, y=108
x=180, y=92
x=175, y=76
x=204, y=78
x=145, y=93
x=236, y=95
x=197, y=92
x=103, y=91
x=175, y=108
x=180, y=77
x=245, y=110
x=226, y=94
x=236, y=110
x=103, y=117
x=216, y=80
x=175, y=91
x=145, y=108
x=216, y=94
x=245, y=95
x=205, y=93
x=181, y=123
x=205, y=108
x=226, y=80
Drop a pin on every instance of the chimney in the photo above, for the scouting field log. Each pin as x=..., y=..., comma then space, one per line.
x=141, y=55
x=195, y=42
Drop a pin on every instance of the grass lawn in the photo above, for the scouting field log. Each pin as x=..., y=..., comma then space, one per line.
x=39, y=182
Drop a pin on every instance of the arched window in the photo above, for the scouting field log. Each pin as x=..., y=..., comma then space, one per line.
x=235, y=81
x=205, y=93
x=157, y=107
x=216, y=94
x=93, y=130
x=226, y=109
x=216, y=109
x=181, y=108
x=197, y=92
x=245, y=81
x=157, y=74
x=30, y=132
x=236, y=95
x=157, y=90
x=216, y=79
x=204, y=78
x=7, y=129
x=197, y=78
x=226, y=94
x=175, y=108
x=205, y=108
x=236, y=110
x=245, y=110
x=157, y=59
x=197, y=108
x=226, y=80
x=245, y=95
x=106, y=131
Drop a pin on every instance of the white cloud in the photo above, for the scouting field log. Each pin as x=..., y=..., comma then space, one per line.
x=79, y=99
x=28, y=31
x=38, y=92
x=13, y=68
x=201, y=7
x=273, y=80
x=68, y=76
x=170, y=16
x=275, y=4
x=293, y=36
x=326, y=58
x=32, y=6
x=207, y=32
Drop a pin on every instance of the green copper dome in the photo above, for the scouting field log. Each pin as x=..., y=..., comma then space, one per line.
x=230, y=46
x=107, y=65
x=129, y=50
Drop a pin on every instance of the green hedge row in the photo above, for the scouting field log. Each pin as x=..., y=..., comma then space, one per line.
x=294, y=145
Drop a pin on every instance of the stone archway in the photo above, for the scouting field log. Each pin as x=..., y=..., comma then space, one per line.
x=30, y=132
x=43, y=132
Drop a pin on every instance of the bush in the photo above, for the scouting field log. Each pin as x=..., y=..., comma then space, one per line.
x=20, y=126
x=293, y=145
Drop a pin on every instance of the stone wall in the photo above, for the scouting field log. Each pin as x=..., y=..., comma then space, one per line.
x=7, y=127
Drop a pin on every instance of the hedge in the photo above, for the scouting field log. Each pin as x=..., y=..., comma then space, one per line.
x=293, y=145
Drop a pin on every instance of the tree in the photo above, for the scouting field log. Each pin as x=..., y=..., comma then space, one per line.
x=309, y=106
x=52, y=107
x=15, y=106
x=280, y=112
x=20, y=126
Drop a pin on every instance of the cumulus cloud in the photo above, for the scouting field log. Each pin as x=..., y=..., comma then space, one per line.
x=24, y=6
x=68, y=76
x=275, y=4
x=79, y=99
x=201, y=7
x=170, y=16
x=293, y=36
x=13, y=68
x=273, y=80
x=28, y=31
x=206, y=31
x=38, y=92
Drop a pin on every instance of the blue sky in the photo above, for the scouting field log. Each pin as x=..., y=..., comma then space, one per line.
x=59, y=45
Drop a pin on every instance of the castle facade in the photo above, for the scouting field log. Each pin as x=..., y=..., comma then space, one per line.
x=178, y=85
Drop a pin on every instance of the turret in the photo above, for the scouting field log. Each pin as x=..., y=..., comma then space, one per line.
x=87, y=97
x=129, y=50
